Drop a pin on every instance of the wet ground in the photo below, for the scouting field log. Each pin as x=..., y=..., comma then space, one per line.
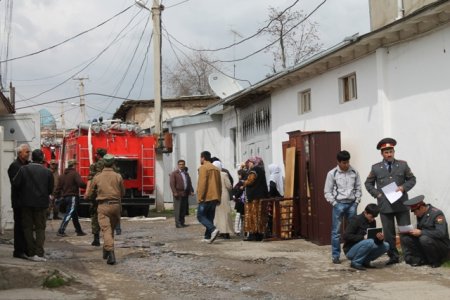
x=158, y=261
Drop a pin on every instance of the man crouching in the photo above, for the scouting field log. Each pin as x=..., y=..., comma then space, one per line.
x=110, y=189
x=359, y=250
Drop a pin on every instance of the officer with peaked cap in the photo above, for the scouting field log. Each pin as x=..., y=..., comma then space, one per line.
x=429, y=244
x=110, y=189
x=387, y=171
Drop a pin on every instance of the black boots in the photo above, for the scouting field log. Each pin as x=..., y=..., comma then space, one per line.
x=96, y=241
x=105, y=254
x=111, y=260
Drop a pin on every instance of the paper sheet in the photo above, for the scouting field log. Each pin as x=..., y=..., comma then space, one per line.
x=390, y=192
x=405, y=228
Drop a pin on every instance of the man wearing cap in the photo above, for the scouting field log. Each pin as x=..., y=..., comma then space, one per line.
x=429, y=244
x=110, y=189
x=68, y=188
x=383, y=173
x=95, y=168
x=53, y=209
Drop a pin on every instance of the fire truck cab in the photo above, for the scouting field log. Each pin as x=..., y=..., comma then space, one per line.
x=135, y=160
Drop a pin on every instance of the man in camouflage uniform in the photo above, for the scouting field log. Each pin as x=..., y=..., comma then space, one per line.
x=95, y=168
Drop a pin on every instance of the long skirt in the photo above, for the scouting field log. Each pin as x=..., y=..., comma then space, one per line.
x=255, y=220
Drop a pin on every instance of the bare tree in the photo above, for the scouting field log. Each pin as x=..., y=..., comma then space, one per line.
x=297, y=38
x=189, y=76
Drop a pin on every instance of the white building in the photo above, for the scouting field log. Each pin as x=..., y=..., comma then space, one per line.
x=391, y=82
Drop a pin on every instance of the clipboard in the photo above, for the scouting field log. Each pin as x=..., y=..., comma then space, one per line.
x=372, y=232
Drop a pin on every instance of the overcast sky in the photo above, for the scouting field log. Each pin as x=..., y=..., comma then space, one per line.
x=112, y=54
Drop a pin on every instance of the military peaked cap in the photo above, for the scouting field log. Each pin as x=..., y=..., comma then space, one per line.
x=101, y=151
x=386, y=143
x=109, y=160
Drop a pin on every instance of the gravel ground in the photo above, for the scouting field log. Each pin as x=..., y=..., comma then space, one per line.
x=158, y=261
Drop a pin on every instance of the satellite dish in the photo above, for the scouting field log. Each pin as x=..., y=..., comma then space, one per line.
x=223, y=85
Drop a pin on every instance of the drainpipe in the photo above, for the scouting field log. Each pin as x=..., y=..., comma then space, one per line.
x=400, y=9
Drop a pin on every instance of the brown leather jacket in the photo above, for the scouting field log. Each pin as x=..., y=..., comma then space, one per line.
x=177, y=184
x=209, y=185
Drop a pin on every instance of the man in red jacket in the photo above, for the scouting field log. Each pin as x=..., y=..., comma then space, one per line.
x=181, y=185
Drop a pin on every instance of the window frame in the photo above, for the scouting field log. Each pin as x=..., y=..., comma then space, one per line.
x=304, y=101
x=348, y=88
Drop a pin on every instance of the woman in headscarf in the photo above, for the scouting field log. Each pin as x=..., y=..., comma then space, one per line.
x=276, y=186
x=223, y=220
x=256, y=189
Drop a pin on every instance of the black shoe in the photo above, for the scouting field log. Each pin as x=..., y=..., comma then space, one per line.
x=357, y=267
x=56, y=218
x=111, y=258
x=118, y=231
x=179, y=226
x=96, y=241
x=61, y=234
x=435, y=265
x=336, y=260
x=81, y=233
x=367, y=265
x=20, y=255
x=392, y=261
x=105, y=254
x=184, y=225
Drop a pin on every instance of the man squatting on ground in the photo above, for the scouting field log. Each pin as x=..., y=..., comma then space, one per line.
x=429, y=243
x=343, y=191
x=359, y=250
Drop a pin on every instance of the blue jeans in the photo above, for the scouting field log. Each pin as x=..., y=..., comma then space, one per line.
x=366, y=251
x=206, y=212
x=340, y=210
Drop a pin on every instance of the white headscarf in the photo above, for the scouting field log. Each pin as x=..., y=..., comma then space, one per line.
x=217, y=164
x=275, y=176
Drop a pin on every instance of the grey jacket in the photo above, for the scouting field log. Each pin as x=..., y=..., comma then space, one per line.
x=344, y=187
x=379, y=177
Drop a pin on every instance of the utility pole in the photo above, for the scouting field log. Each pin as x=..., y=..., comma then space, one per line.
x=82, y=101
x=156, y=16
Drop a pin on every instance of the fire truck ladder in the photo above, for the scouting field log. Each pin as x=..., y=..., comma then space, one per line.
x=83, y=163
x=148, y=170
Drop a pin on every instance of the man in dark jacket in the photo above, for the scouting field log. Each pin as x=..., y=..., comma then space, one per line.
x=181, y=186
x=359, y=250
x=23, y=156
x=429, y=243
x=36, y=184
x=68, y=187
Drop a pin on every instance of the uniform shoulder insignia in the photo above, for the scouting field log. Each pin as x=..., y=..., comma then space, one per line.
x=440, y=219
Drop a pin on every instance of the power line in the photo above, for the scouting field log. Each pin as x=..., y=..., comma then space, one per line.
x=95, y=58
x=69, y=39
x=241, y=41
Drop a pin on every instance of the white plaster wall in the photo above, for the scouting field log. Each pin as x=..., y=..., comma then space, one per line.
x=403, y=92
x=6, y=158
x=188, y=142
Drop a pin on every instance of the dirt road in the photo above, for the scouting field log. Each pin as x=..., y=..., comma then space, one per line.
x=158, y=261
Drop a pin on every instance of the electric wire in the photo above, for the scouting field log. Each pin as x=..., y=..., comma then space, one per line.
x=85, y=67
x=258, y=32
x=69, y=39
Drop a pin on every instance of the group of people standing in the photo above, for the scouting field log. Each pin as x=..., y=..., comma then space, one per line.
x=37, y=192
x=428, y=244
x=215, y=190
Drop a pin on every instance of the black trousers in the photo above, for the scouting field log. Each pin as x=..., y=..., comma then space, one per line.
x=179, y=208
x=423, y=250
x=20, y=246
x=388, y=222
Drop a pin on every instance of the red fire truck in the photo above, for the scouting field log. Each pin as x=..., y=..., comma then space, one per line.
x=135, y=158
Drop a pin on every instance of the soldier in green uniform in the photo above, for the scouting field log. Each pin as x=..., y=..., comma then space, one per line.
x=95, y=168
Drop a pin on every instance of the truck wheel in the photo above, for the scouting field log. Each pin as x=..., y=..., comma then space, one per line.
x=143, y=211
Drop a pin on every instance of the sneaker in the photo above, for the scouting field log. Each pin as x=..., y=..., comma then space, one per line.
x=214, y=235
x=37, y=258
x=205, y=241
x=357, y=267
x=81, y=233
x=62, y=234
x=336, y=260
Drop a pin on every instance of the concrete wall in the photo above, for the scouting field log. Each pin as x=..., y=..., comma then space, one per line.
x=403, y=92
x=383, y=12
x=188, y=142
x=7, y=156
